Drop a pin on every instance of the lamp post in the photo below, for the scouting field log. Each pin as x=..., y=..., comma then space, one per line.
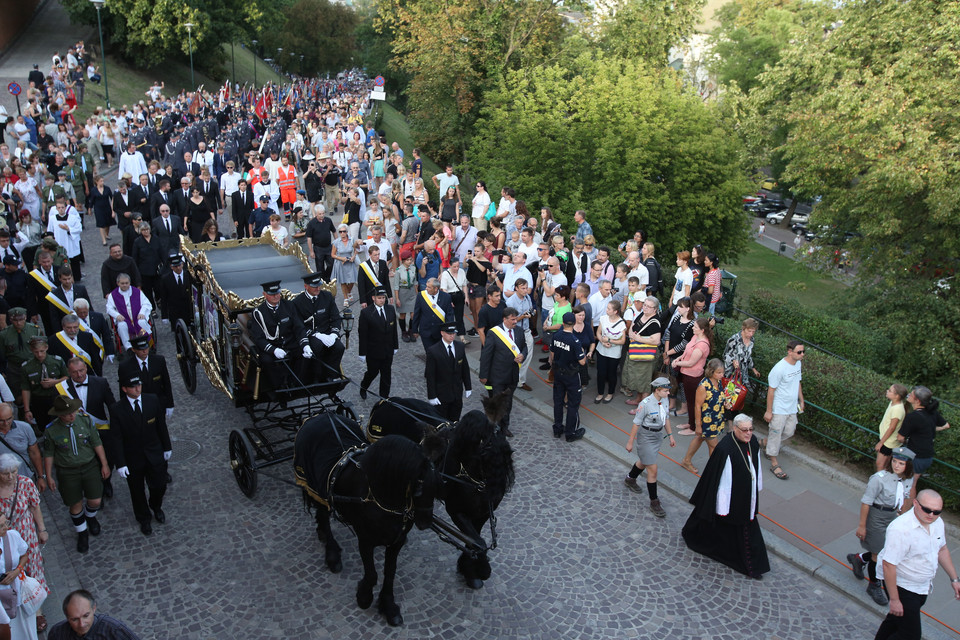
x=254, y=62
x=189, y=27
x=280, y=59
x=103, y=53
x=233, y=65
x=301, y=64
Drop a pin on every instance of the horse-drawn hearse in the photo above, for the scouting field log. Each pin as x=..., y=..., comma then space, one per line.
x=226, y=290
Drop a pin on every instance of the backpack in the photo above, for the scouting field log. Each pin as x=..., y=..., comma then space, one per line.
x=655, y=285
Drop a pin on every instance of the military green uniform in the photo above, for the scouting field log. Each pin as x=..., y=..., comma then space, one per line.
x=41, y=400
x=49, y=196
x=59, y=255
x=16, y=350
x=72, y=447
x=76, y=178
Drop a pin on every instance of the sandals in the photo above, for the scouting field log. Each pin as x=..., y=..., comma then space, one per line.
x=689, y=467
x=686, y=431
x=779, y=472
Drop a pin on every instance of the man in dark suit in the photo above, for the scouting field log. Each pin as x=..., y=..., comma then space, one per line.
x=151, y=369
x=176, y=293
x=179, y=199
x=40, y=282
x=125, y=203
x=61, y=299
x=210, y=190
x=185, y=166
x=379, y=342
x=95, y=394
x=243, y=203
x=372, y=274
x=96, y=324
x=168, y=229
x=320, y=344
x=73, y=343
x=220, y=159
x=500, y=359
x=276, y=331
x=161, y=197
x=142, y=449
x=432, y=309
x=448, y=374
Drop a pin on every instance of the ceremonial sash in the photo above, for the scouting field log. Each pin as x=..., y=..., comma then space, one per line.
x=64, y=390
x=84, y=326
x=83, y=355
x=505, y=339
x=121, y=304
x=433, y=306
x=367, y=270
x=59, y=303
x=39, y=277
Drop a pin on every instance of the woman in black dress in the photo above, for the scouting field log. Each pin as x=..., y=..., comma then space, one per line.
x=148, y=255
x=101, y=201
x=198, y=212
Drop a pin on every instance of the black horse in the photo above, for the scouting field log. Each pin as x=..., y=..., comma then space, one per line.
x=475, y=473
x=380, y=490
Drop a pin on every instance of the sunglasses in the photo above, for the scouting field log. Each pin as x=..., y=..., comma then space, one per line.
x=588, y=245
x=933, y=512
x=800, y=352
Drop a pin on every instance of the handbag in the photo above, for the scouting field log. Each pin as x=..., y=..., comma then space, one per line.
x=734, y=391
x=491, y=211
x=640, y=352
x=34, y=594
x=8, y=597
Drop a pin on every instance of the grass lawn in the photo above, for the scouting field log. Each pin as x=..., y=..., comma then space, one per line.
x=397, y=129
x=128, y=85
x=760, y=267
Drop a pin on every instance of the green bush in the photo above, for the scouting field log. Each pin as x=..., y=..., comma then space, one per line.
x=851, y=340
x=835, y=392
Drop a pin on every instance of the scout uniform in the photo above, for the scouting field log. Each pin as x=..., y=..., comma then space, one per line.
x=16, y=348
x=31, y=374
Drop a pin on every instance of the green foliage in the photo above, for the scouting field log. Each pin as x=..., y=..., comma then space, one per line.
x=319, y=30
x=848, y=339
x=647, y=29
x=629, y=145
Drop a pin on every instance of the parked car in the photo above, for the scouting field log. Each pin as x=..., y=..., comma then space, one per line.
x=778, y=216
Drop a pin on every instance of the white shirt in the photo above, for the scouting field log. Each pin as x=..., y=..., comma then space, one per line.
x=230, y=182
x=914, y=550
x=452, y=284
x=598, y=304
x=481, y=202
x=469, y=241
x=785, y=378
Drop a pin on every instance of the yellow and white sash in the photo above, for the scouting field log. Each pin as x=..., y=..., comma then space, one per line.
x=85, y=326
x=39, y=277
x=367, y=270
x=64, y=390
x=505, y=339
x=433, y=306
x=83, y=355
x=59, y=303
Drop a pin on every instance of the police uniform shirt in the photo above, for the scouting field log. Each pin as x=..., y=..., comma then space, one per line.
x=567, y=351
x=882, y=489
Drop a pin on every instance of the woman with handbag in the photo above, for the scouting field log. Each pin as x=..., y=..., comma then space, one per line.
x=644, y=336
x=708, y=406
x=454, y=282
x=611, y=336
x=738, y=359
x=13, y=561
x=20, y=503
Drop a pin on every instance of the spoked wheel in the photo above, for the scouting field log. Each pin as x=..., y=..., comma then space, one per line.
x=242, y=462
x=345, y=410
x=186, y=356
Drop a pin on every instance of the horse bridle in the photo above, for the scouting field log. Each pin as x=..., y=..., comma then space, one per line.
x=463, y=477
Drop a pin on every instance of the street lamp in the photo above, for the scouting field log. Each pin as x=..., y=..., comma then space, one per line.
x=103, y=52
x=254, y=62
x=189, y=27
x=301, y=64
x=280, y=59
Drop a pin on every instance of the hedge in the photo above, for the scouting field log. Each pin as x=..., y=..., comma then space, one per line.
x=848, y=391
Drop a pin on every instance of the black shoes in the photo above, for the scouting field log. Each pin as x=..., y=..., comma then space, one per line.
x=632, y=484
x=473, y=333
x=857, y=564
x=160, y=516
x=545, y=367
x=557, y=433
x=363, y=393
x=145, y=528
x=93, y=526
x=875, y=591
x=579, y=433
x=83, y=541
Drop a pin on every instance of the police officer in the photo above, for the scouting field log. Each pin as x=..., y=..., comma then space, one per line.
x=276, y=331
x=320, y=343
x=568, y=355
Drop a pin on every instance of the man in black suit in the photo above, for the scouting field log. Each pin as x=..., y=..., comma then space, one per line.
x=179, y=199
x=125, y=203
x=209, y=190
x=432, y=309
x=151, y=369
x=379, y=342
x=276, y=331
x=176, y=293
x=161, y=197
x=62, y=298
x=243, y=204
x=72, y=343
x=500, y=359
x=448, y=374
x=96, y=324
x=185, y=166
x=40, y=282
x=140, y=195
x=95, y=394
x=168, y=229
x=320, y=344
x=373, y=274
x=142, y=449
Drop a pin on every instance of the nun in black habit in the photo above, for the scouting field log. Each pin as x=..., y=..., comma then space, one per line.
x=723, y=525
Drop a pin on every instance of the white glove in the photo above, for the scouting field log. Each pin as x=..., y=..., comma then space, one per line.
x=110, y=358
x=466, y=394
x=169, y=412
x=280, y=354
x=396, y=351
x=123, y=472
x=363, y=359
x=434, y=401
x=307, y=351
x=326, y=338
x=166, y=455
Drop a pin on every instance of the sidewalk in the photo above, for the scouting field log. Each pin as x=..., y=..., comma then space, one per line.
x=808, y=520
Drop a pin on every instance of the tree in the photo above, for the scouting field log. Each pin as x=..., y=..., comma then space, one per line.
x=321, y=31
x=625, y=142
x=869, y=122
x=646, y=29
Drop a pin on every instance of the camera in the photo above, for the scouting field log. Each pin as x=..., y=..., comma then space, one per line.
x=543, y=266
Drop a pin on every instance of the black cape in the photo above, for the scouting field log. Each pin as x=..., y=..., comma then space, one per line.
x=734, y=540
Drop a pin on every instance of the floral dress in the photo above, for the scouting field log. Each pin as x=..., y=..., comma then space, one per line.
x=711, y=412
x=737, y=351
x=22, y=521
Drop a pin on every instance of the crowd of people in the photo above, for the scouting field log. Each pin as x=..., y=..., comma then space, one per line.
x=420, y=258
